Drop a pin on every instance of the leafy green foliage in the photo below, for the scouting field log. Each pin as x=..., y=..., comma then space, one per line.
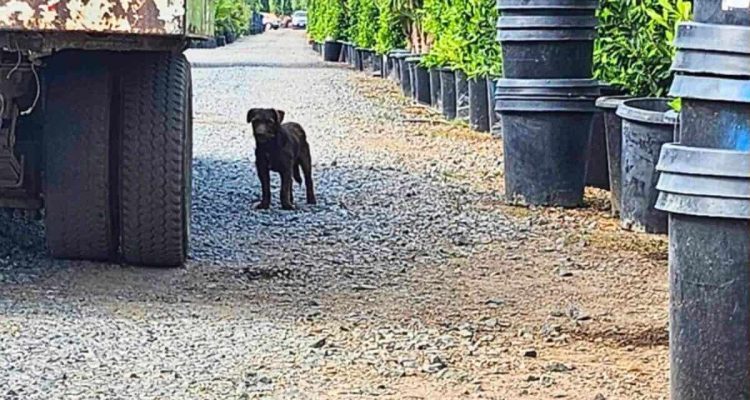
x=325, y=19
x=366, y=26
x=464, y=33
x=232, y=16
x=280, y=7
x=299, y=5
x=389, y=33
x=634, y=49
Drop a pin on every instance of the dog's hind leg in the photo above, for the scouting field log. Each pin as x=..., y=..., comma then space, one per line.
x=305, y=163
x=286, y=190
x=297, y=174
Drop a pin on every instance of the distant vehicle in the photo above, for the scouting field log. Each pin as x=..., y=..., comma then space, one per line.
x=299, y=19
x=271, y=21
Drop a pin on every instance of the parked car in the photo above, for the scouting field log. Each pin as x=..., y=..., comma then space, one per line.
x=299, y=19
x=271, y=21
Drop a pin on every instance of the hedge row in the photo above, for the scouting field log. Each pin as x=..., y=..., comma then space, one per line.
x=633, y=51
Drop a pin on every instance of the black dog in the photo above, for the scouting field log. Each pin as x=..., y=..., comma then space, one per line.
x=282, y=148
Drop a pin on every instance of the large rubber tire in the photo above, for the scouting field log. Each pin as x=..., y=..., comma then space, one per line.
x=77, y=193
x=155, y=159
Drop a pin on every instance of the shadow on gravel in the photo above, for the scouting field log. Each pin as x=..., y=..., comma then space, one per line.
x=370, y=223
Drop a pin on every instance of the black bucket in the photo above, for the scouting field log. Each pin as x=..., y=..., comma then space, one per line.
x=221, y=41
x=435, y=87
x=411, y=65
x=331, y=50
x=422, y=85
x=644, y=131
x=494, y=117
x=707, y=195
x=376, y=64
x=404, y=76
x=546, y=125
x=344, y=52
x=448, y=93
x=613, y=130
x=462, y=96
x=722, y=12
x=479, y=118
x=359, y=60
x=367, y=59
x=547, y=46
x=714, y=111
x=393, y=64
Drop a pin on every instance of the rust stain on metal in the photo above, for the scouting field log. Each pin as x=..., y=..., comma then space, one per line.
x=157, y=17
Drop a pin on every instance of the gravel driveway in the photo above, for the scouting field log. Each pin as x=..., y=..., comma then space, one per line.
x=409, y=279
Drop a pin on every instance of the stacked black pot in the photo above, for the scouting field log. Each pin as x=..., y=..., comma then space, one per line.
x=705, y=188
x=546, y=98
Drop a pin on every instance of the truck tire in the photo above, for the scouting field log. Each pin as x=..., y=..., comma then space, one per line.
x=155, y=160
x=77, y=193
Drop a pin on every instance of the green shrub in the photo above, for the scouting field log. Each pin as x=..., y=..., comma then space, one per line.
x=634, y=48
x=389, y=32
x=464, y=35
x=232, y=16
x=325, y=19
x=365, y=29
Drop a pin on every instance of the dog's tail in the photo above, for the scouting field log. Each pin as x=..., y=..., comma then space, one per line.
x=297, y=175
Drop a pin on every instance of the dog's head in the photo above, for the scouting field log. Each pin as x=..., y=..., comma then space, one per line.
x=265, y=121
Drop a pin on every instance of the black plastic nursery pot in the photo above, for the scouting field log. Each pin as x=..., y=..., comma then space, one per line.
x=494, y=117
x=331, y=50
x=411, y=66
x=644, y=131
x=359, y=60
x=422, y=89
x=377, y=65
x=366, y=59
x=404, y=76
x=546, y=125
x=393, y=64
x=613, y=130
x=722, y=12
x=448, y=93
x=707, y=195
x=435, y=87
x=462, y=96
x=479, y=118
x=221, y=41
x=547, y=38
x=344, y=56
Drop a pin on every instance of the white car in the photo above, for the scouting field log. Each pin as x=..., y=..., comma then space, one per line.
x=299, y=19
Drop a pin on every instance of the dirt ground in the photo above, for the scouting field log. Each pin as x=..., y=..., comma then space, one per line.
x=546, y=304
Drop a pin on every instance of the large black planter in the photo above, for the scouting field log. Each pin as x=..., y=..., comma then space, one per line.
x=331, y=50
x=448, y=93
x=435, y=87
x=547, y=38
x=422, y=89
x=597, y=164
x=546, y=126
x=613, y=130
x=378, y=68
x=366, y=55
x=644, y=131
x=462, y=96
x=721, y=12
x=479, y=118
x=404, y=76
x=707, y=195
x=344, y=56
x=221, y=41
x=411, y=66
x=494, y=117
x=359, y=61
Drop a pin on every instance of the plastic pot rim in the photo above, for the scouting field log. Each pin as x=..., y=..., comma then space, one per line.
x=612, y=102
x=630, y=112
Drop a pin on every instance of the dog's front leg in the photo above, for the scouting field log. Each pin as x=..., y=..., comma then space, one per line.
x=286, y=189
x=264, y=174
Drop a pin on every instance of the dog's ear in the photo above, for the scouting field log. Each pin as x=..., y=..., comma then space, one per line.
x=251, y=114
x=279, y=116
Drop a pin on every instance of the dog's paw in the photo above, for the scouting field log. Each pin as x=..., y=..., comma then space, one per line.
x=263, y=206
x=288, y=207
